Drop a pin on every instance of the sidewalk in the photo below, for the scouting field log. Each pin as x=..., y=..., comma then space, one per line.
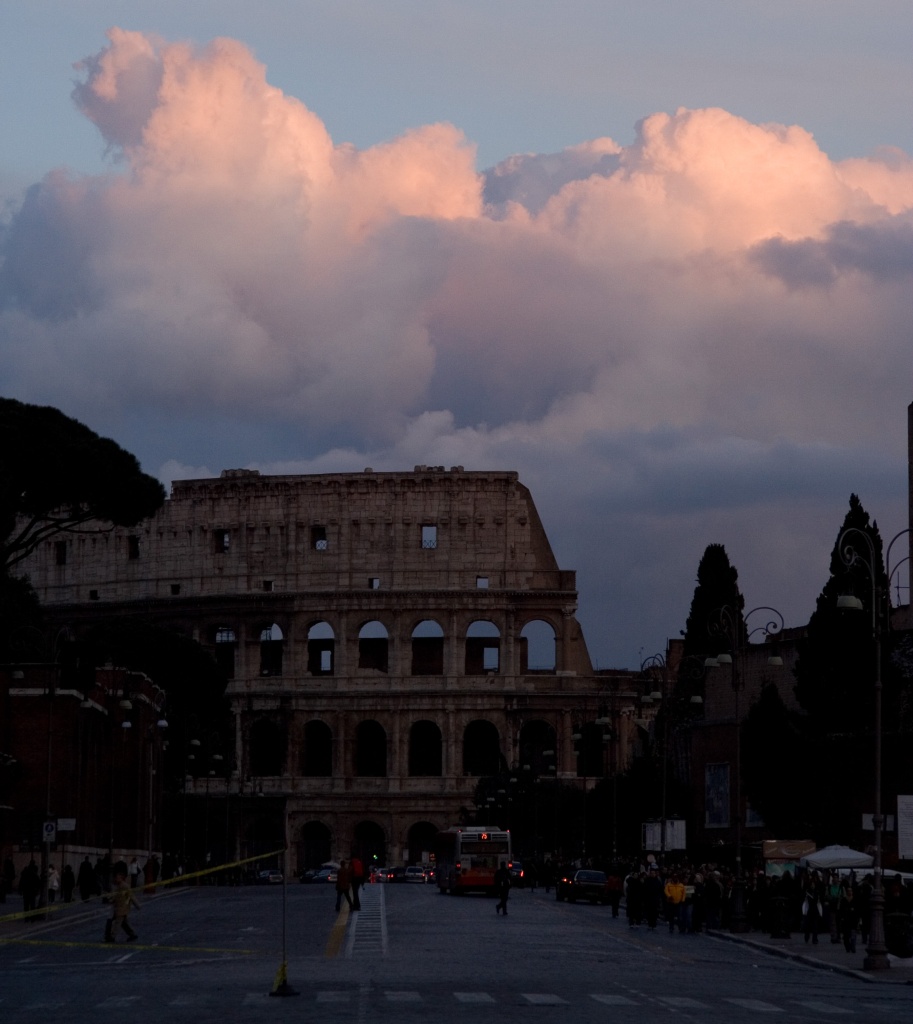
x=827, y=955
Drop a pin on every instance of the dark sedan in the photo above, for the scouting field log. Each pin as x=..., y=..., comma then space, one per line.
x=585, y=884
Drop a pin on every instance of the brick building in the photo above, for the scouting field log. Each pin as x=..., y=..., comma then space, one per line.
x=388, y=639
x=84, y=755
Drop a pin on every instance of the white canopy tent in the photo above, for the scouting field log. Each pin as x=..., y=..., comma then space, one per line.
x=837, y=857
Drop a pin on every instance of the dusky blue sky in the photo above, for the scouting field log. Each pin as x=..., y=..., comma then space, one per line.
x=660, y=264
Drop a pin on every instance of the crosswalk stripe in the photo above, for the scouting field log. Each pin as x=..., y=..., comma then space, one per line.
x=683, y=1002
x=611, y=1000
x=819, y=1007
x=756, y=1004
x=403, y=997
x=543, y=999
x=474, y=997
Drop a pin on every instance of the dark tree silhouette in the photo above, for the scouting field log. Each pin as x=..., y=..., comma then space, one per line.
x=717, y=588
x=835, y=669
x=56, y=474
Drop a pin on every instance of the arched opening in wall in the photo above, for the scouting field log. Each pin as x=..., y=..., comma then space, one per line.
x=536, y=737
x=369, y=843
x=370, y=750
x=271, y=639
x=226, y=644
x=262, y=834
x=317, y=750
x=482, y=749
x=373, y=643
x=266, y=747
x=425, y=746
x=483, y=648
x=537, y=647
x=321, y=648
x=315, y=845
x=591, y=749
x=421, y=842
x=428, y=649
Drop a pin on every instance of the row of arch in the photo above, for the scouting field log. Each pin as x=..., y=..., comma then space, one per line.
x=316, y=843
x=481, y=752
x=482, y=648
x=268, y=742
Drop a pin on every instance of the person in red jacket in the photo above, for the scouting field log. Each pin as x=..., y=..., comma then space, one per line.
x=358, y=879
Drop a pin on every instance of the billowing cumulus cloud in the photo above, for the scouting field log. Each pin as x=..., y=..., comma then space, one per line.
x=703, y=335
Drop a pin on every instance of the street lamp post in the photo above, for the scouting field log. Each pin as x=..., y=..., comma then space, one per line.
x=728, y=624
x=877, y=951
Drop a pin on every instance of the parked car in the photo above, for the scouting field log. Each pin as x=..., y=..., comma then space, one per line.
x=515, y=869
x=382, y=874
x=397, y=875
x=324, y=874
x=414, y=873
x=271, y=876
x=585, y=884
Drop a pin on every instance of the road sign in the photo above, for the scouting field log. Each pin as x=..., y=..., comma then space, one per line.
x=49, y=832
x=66, y=824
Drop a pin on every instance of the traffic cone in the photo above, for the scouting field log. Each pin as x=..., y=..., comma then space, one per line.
x=281, y=986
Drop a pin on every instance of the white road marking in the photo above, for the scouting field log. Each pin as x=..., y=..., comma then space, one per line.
x=543, y=999
x=755, y=1004
x=334, y=997
x=474, y=997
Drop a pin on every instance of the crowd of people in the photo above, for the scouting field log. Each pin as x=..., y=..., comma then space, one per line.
x=688, y=899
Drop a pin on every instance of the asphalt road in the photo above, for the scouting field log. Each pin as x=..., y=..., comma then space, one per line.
x=212, y=954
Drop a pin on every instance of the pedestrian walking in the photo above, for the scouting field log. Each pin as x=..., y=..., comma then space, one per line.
x=121, y=899
x=29, y=886
x=674, y=892
x=7, y=878
x=652, y=897
x=358, y=880
x=53, y=883
x=502, y=888
x=848, y=918
x=67, y=883
x=634, y=897
x=343, y=882
x=87, y=880
x=134, y=873
x=812, y=911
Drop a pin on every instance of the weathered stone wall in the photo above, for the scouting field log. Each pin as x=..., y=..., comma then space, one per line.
x=279, y=576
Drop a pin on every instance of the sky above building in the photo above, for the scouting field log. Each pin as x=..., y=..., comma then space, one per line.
x=658, y=261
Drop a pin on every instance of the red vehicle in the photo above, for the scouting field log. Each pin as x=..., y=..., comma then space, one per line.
x=466, y=859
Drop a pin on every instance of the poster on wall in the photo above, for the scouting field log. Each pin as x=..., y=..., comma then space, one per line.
x=716, y=796
x=905, y=827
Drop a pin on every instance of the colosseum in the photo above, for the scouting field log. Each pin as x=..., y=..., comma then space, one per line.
x=389, y=638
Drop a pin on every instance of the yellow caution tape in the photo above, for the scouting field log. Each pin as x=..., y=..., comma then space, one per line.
x=133, y=945
x=53, y=908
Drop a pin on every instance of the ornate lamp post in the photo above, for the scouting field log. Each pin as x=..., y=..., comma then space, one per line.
x=731, y=626
x=656, y=667
x=877, y=951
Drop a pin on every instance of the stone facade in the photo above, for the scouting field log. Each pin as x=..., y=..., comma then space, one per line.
x=389, y=638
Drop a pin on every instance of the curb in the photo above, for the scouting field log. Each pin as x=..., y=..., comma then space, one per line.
x=808, y=961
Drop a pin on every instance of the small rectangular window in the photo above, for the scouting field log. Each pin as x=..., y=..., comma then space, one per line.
x=326, y=661
x=60, y=552
x=481, y=582
x=319, y=538
x=268, y=585
x=221, y=541
x=175, y=589
x=429, y=536
x=374, y=582
x=132, y=546
x=93, y=595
